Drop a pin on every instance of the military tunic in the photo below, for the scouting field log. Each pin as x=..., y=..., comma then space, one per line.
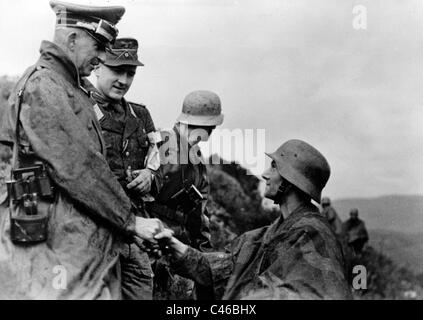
x=296, y=258
x=91, y=212
x=126, y=137
x=125, y=129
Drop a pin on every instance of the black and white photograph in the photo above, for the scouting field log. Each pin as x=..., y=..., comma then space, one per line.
x=211, y=150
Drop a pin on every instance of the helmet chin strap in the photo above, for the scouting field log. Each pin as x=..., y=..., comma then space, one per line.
x=284, y=187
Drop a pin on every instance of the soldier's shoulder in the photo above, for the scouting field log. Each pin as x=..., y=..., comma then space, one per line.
x=137, y=106
x=39, y=80
x=310, y=222
x=140, y=109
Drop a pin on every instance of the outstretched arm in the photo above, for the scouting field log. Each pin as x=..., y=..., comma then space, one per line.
x=208, y=269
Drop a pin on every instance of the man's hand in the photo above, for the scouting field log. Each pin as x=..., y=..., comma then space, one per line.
x=147, y=228
x=140, y=180
x=176, y=247
x=152, y=249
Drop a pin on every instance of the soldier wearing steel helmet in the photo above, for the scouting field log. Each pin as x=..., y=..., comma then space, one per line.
x=181, y=202
x=330, y=213
x=355, y=232
x=296, y=257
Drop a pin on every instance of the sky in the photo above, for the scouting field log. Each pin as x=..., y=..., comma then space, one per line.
x=297, y=69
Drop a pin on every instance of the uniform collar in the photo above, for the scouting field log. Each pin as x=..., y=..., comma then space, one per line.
x=298, y=212
x=131, y=123
x=52, y=56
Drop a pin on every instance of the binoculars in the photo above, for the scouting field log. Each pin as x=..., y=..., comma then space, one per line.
x=28, y=191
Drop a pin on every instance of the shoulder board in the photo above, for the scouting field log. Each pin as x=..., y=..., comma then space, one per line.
x=134, y=107
x=136, y=104
x=24, y=80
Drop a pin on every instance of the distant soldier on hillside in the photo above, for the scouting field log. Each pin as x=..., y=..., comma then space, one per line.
x=330, y=213
x=355, y=232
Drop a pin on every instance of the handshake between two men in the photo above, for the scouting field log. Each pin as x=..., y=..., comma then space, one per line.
x=155, y=239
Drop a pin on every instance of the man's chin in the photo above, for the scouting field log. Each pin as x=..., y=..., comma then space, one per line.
x=116, y=97
x=268, y=196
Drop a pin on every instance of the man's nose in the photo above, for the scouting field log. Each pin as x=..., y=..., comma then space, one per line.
x=123, y=78
x=265, y=175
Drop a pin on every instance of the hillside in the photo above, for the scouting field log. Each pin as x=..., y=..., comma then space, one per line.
x=394, y=213
x=392, y=259
x=406, y=250
x=395, y=224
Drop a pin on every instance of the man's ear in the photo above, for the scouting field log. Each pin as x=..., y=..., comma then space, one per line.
x=71, y=41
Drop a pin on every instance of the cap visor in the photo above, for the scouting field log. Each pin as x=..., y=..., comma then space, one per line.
x=201, y=120
x=124, y=63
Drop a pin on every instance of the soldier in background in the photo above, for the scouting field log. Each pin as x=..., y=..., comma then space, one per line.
x=330, y=213
x=181, y=202
x=355, y=232
x=296, y=257
x=132, y=153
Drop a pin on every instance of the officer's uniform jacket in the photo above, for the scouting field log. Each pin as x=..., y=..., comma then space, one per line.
x=130, y=143
x=130, y=140
x=90, y=212
x=298, y=258
x=178, y=171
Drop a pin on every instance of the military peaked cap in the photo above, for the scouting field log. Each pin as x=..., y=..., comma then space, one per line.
x=98, y=21
x=123, y=52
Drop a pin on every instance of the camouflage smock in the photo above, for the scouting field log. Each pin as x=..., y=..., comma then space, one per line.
x=298, y=258
x=90, y=208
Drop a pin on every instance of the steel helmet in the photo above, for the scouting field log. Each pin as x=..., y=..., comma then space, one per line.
x=303, y=166
x=354, y=211
x=325, y=200
x=201, y=108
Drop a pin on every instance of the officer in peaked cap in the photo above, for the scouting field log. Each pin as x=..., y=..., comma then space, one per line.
x=80, y=215
x=75, y=23
x=132, y=154
x=100, y=22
